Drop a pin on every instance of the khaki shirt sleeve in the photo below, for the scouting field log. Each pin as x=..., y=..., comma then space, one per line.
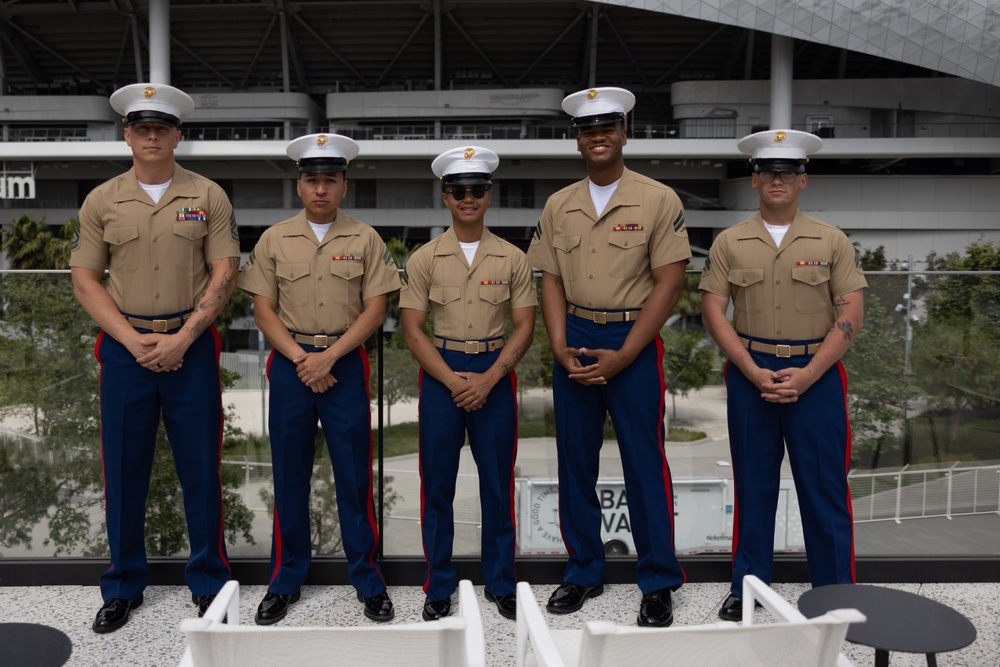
x=223, y=236
x=847, y=275
x=522, y=288
x=416, y=290
x=715, y=275
x=541, y=252
x=89, y=250
x=258, y=274
x=668, y=242
x=381, y=274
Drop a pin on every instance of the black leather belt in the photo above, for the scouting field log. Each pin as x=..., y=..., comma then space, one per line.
x=158, y=326
x=319, y=340
x=603, y=316
x=780, y=351
x=469, y=346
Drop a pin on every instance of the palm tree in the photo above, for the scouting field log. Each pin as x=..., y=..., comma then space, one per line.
x=31, y=244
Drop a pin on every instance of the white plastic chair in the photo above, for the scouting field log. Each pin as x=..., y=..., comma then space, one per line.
x=455, y=640
x=793, y=641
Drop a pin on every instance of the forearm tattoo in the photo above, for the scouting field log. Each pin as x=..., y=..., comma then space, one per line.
x=215, y=295
x=513, y=356
x=847, y=329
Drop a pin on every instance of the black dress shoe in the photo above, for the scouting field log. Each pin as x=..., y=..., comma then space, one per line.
x=114, y=613
x=655, y=610
x=506, y=604
x=569, y=597
x=379, y=607
x=274, y=607
x=435, y=609
x=203, y=602
x=732, y=609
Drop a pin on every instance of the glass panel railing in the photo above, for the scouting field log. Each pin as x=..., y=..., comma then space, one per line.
x=924, y=401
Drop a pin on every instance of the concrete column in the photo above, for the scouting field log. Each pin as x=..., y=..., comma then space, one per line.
x=159, y=41
x=781, y=82
x=286, y=78
x=437, y=231
x=436, y=195
x=437, y=45
x=592, y=72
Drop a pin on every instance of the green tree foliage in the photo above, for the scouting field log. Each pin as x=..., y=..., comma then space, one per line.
x=324, y=519
x=688, y=355
x=688, y=362
x=50, y=385
x=400, y=374
x=879, y=389
x=956, y=356
x=535, y=368
x=21, y=511
x=689, y=303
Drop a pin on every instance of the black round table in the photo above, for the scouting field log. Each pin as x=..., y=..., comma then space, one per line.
x=897, y=620
x=33, y=645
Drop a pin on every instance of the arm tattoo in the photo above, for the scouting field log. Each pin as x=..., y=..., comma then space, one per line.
x=841, y=301
x=215, y=295
x=513, y=357
x=847, y=329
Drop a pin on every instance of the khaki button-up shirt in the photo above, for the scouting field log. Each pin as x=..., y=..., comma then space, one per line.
x=157, y=259
x=605, y=262
x=320, y=286
x=786, y=293
x=467, y=302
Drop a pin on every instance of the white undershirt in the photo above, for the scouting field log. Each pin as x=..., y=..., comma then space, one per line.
x=601, y=195
x=469, y=249
x=155, y=191
x=777, y=232
x=320, y=230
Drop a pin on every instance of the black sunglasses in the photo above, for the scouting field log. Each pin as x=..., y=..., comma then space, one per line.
x=459, y=194
x=784, y=176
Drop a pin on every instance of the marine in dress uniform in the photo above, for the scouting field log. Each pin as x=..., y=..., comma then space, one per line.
x=798, y=302
x=467, y=278
x=612, y=249
x=168, y=239
x=320, y=282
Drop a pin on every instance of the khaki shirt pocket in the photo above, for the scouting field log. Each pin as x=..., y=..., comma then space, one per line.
x=347, y=279
x=747, y=286
x=493, y=300
x=627, y=255
x=447, y=313
x=123, y=248
x=567, y=255
x=293, y=284
x=811, y=289
x=189, y=246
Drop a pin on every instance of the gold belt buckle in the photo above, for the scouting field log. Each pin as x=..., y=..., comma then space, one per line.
x=472, y=347
x=600, y=318
x=321, y=340
x=783, y=351
x=159, y=326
